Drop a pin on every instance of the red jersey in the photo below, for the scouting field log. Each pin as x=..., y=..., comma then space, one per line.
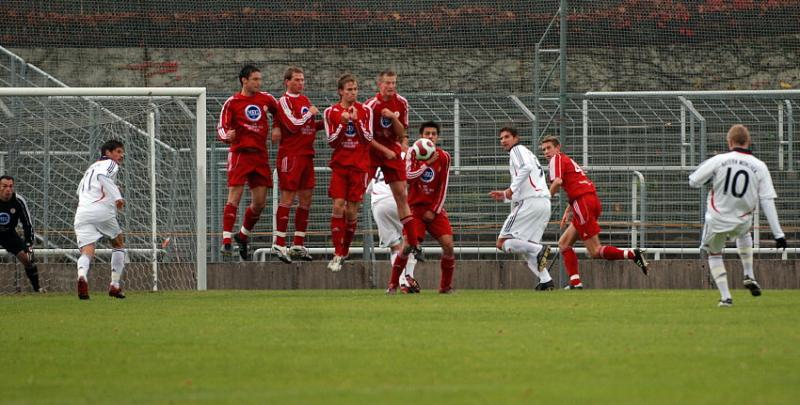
x=382, y=126
x=574, y=180
x=248, y=116
x=427, y=184
x=350, y=142
x=297, y=124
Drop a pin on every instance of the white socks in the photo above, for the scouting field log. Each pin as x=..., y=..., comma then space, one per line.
x=531, y=250
x=533, y=264
x=84, y=262
x=409, y=270
x=717, y=268
x=745, y=245
x=117, y=265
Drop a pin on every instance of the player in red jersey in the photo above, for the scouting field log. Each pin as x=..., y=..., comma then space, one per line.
x=348, y=125
x=389, y=124
x=243, y=125
x=584, y=208
x=295, y=163
x=427, y=185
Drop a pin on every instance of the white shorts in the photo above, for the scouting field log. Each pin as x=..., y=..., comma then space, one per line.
x=715, y=234
x=390, y=230
x=528, y=219
x=90, y=232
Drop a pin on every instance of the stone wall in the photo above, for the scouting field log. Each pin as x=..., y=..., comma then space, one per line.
x=766, y=63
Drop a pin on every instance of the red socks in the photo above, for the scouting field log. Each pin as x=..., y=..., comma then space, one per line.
x=410, y=230
x=338, y=235
x=250, y=220
x=615, y=253
x=448, y=266
x=282, y=223
x=300, y=225
x=571, y=263
x=397, y=268
x=349, y=233
x=228, y=218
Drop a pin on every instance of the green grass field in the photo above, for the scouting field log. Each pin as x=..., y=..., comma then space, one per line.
x=612, y=346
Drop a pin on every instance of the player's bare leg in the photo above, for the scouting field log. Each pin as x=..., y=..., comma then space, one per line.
x=258, y=201
x=447, y=264
x=117, y=266
x=337, y=234
x=229, y=217
x=282, y=224
x=598, y=251
x=568, y=256
x=298, y=249
x=404, y=213
x=84, y=263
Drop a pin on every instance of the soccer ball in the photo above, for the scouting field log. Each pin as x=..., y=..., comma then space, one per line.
x=423, y=149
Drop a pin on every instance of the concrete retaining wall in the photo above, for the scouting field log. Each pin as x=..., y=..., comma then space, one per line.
x=664, y=274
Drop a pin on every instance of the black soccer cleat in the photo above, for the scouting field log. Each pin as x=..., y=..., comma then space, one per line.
x=243, y=252
x=542, y=257
x=638, y=259
x=548, y=286
x=726, y=303
x=226, y=249
x=413, y=285
x=752, y=285
x=578, y=286
x=116, y=292
x=419, y=254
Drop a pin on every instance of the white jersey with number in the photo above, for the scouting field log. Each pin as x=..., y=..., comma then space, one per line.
x=738, y=181
x=98, y=192
x=527, y=175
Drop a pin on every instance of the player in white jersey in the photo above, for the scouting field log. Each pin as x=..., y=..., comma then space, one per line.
x=99, y=198
x=530, y=208
x=390, y=230
x=739, y=181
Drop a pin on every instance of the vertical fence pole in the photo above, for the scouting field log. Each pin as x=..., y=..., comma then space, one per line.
x=151, y=131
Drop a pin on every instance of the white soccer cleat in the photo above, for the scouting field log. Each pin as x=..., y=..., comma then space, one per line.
x=282, y=253
x=300, y=252
x=336, y=263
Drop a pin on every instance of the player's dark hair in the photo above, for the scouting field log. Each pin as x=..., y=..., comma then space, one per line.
x=550, y=138
x=6, y=177
x=430, y=124
x=344, y=79
x=510, y=130
x=110, y=145
x=290, y=71
x=246, y=71
x=386, y=72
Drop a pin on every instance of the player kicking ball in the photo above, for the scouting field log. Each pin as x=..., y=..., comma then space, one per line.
x=99, y=199
x=530, y=208
x=739, y=181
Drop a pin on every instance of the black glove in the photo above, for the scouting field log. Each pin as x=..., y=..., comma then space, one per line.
x=29, y=249
x=780, y=243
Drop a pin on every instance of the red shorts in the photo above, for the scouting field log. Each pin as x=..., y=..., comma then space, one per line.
x=296, y=173
x=348, y=184
x=249, y=167
x=439, y=227
x=393, y=170
x=586, y=210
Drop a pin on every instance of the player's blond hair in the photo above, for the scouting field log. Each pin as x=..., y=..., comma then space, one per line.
x=551, y=139
x=739, y=135
x=287, y=75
